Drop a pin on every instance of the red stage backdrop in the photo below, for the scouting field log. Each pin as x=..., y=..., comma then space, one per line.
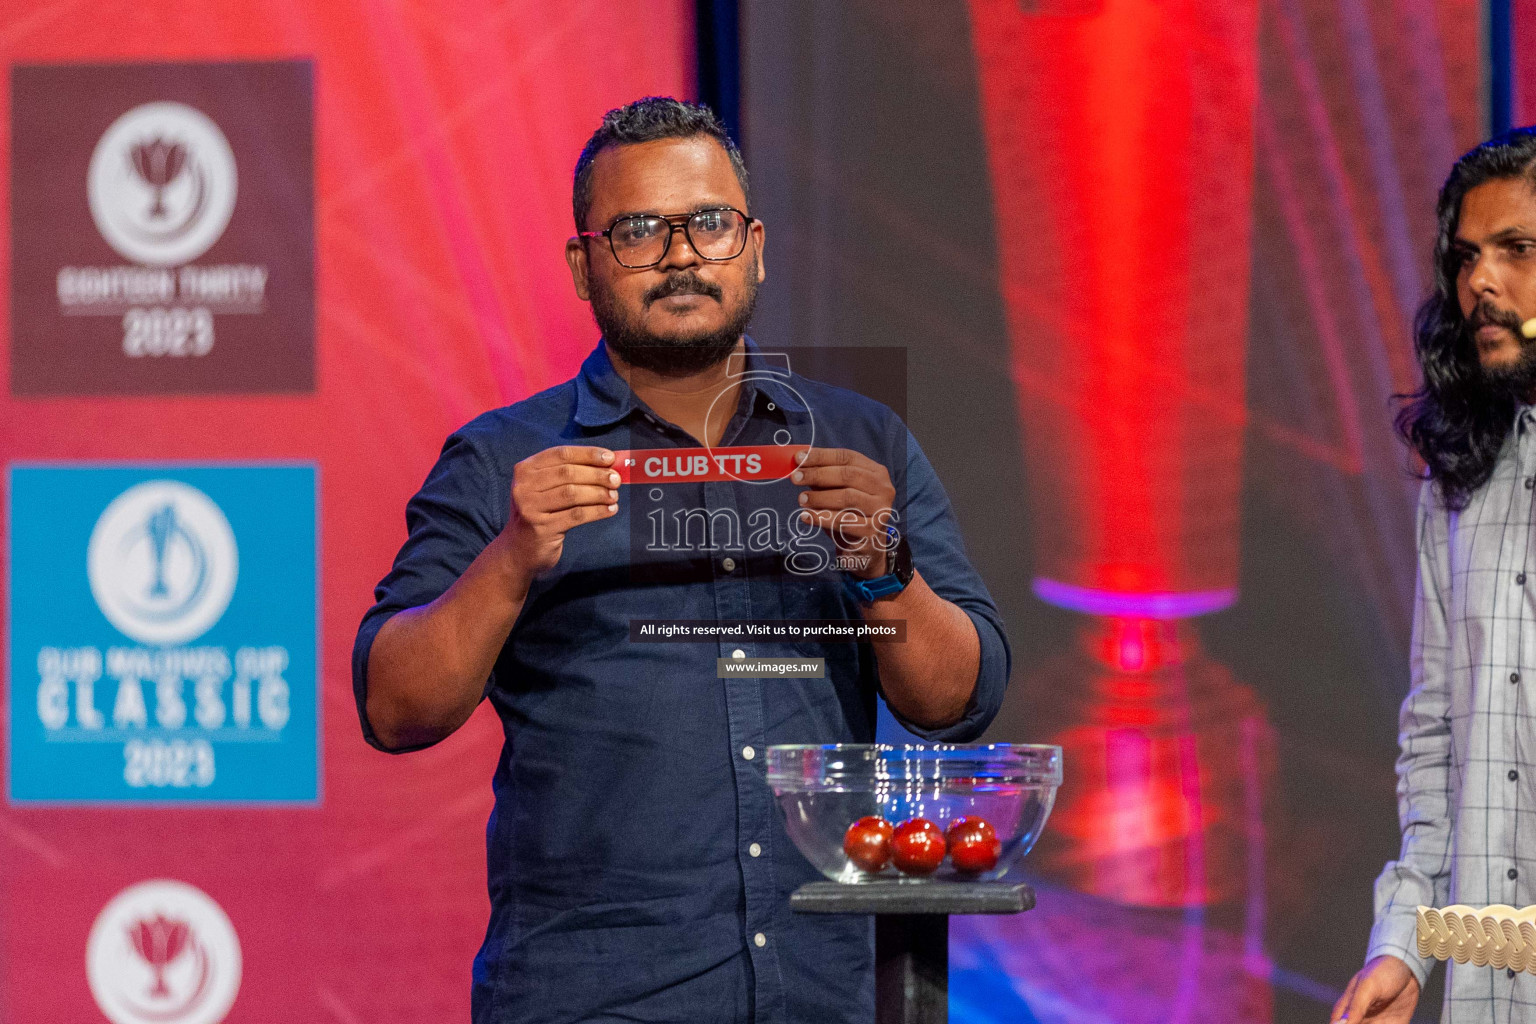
x=1155, y=265
x=262, y=258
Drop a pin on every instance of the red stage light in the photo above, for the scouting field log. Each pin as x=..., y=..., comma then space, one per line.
x=1121, y=149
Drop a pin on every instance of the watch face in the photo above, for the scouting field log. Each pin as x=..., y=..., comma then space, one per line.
x=901, y=562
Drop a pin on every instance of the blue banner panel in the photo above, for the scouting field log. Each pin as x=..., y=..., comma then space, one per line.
x=163, y=634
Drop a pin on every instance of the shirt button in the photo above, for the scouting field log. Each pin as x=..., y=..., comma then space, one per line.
x=755, y=850
x=747, y=753
x=1512, y=874
x=1530, y=482
x=1514, y=677
x=728, y=564
x=1520, y=579
x=760, y=939
x=738, y=653
x=1511, y=971
x=1513, y=775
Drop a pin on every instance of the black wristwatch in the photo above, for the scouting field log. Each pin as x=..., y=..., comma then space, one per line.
x=895, y=580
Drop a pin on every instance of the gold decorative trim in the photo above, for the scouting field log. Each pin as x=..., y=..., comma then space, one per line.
x=1496, y=936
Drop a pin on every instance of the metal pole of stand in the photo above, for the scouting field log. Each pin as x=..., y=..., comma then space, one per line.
x=912, y=934
x=911, y=968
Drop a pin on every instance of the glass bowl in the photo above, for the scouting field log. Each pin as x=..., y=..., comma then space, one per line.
x=824, y=789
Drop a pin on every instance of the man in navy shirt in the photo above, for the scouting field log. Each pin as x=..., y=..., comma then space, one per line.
x=639, y=870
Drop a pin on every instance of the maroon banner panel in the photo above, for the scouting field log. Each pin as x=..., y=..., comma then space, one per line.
x=162, y=228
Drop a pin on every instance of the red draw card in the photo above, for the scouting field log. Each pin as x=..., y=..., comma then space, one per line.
x=759, y=463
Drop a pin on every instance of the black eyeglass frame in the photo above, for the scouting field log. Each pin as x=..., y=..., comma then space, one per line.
x=675, y=221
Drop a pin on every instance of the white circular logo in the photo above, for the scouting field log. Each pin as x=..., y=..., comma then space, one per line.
x=163, y=952
x=162, y=184
x=162, y=562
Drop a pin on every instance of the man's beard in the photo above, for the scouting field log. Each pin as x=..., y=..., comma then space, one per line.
x=1516, y=380
x=674, y=356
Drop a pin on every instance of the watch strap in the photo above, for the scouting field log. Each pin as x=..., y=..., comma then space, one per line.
x=892, y=583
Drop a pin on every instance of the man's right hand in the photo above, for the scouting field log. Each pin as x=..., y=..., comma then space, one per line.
x=1383, y=992
x=428, y=665
x=553, y=491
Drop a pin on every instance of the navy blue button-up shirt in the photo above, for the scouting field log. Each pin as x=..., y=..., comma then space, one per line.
x=639, y=870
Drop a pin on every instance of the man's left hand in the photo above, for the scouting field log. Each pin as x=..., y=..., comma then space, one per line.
x=846, y=494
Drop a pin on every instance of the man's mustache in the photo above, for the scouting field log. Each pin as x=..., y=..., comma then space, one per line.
x=685, y=283
x=1488, y=315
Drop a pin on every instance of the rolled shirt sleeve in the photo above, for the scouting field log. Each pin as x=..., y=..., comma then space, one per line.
x=938, y=553
x=1421, y=874
x=456, y=514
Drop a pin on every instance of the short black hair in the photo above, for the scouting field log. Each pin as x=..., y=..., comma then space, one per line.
x=649, y=120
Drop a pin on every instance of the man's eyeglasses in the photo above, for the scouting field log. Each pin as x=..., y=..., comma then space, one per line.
x=640, y=242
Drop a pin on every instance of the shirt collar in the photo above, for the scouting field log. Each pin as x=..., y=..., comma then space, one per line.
x=604, y=398
x=1525, y=415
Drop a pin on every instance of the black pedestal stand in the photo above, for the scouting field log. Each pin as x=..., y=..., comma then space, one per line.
x=912, y=934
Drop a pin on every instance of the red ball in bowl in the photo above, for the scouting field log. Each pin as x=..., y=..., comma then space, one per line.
x=917, y=847
x=973, y=845
x=868, y=843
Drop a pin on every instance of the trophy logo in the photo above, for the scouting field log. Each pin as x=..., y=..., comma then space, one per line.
x=163, y=952
x=159, y=943
x=162, y=562
x=159, y=163
x=162, y=184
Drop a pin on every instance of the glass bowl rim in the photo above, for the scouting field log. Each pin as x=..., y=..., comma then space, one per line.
x=922, y=747
x=1030, y=764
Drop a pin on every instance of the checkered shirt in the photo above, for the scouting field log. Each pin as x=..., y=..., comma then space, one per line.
x=1466, y=790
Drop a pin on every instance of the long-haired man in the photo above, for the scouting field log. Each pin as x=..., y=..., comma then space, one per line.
x=1466, y=797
